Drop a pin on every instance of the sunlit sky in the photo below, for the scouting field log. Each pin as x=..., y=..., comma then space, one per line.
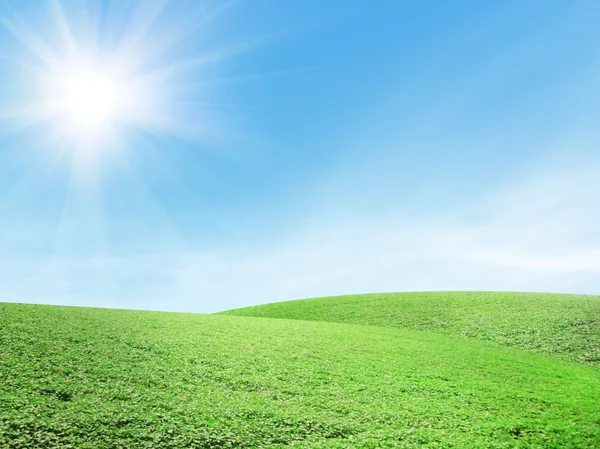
x=197, y=156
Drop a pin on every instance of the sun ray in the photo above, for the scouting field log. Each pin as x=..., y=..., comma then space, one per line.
x=63, y=28
x=92, y=91
x=97, y=93
x=30, y=39
x=95, y=86
x=143, y=17
x=207, y=58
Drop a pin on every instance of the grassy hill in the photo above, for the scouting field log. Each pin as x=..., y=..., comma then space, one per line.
x=98, y=378
x=564, y=325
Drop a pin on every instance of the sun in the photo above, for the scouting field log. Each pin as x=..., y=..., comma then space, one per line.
x=88, y=98
x=119, y=82
x=89, y=102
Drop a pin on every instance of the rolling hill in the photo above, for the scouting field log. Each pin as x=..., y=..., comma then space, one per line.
x=567, y=326
x=101, y=378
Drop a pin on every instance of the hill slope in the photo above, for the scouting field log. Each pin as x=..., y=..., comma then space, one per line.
x=563, y=325
x=77, y=377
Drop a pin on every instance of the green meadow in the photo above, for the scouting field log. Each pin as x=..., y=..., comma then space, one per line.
x=567, y=326
x=377, y=371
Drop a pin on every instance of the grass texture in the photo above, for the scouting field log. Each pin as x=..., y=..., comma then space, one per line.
x=567, y=326
x=99, y=378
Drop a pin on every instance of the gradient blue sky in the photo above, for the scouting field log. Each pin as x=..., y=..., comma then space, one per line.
x=321, y=148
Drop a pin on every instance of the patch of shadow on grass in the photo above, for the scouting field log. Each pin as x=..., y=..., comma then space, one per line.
x=61, y=395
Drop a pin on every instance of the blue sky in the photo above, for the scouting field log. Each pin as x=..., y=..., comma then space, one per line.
x=283, y=149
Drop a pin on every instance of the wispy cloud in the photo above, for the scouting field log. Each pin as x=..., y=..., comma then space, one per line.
x=537, y=234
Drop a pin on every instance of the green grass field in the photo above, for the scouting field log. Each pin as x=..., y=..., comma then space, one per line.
x=567, y=326
x=99, y=378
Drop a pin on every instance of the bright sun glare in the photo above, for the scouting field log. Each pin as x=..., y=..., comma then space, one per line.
x=88, y=102
x=94, y=89
x=88, y=98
